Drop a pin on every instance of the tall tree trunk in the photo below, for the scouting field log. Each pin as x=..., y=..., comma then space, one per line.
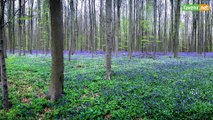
x=38, y=27
x=159, y=26
x=94, y=27
x=5, y=102
x=187, y=35
x=72, y=9
x=109, y=38
x=76, y=28
x=101, y=25
x=176, y=26
x=10, y=36
x=207, y=29
x=24, y=28
x=130, y=40
x=155, y=24
x=31, y=27
x=91, y=38
x=118, y=25
x=57, y=70
x=81, y=27
x=20, y=29
x=86, y=26
x=165, y=29
x=171, y=27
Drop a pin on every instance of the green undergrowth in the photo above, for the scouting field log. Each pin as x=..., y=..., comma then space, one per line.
x=164, y=88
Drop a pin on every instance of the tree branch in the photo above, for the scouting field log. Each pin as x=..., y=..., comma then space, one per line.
x=13, y=15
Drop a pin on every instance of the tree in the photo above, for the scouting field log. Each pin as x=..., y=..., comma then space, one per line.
x=13, y=27
x=130, y=40
x=31, y=26
x=10, y=36
x=19, y=28
x=38, y=37
x=91, y=36
x=171, y=27
x=71, y=47
x=118, y=27
x=165, y=29
x=24, y=28
x=5, y=102
x=57, y=70
x=155, y=24
x=176, y=33
x=101, y=25
x=109, y=38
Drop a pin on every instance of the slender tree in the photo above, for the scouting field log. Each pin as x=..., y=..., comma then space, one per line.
x=109, y=38
x=5, y=102
x=130, y=40
x=165, y=28
x=31, y=27
x=72, y=45
x=118, y=26
x=101, y=26
x=171, y=26
x=10, y=36
x=13, y=27
x=20, y=28
x=176, y=33
x=24, y=28
x=91, y=35
x=155, y=24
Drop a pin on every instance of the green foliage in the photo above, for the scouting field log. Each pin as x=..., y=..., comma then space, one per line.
x=146, y=25
x=25, y=18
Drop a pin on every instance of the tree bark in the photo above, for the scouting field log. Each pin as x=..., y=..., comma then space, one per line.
x=155, y=25
x=5, y=102
x=72, y=9
x=101, y=32
x=57, y=70
x=10, y=36
x=20, y=29
x=165, y=29
x=176, y=26
x=171, y=27
x=130, y=40
x=109, y=38
x=31, y=27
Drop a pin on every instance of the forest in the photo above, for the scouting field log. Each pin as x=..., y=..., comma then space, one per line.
x=106, y=59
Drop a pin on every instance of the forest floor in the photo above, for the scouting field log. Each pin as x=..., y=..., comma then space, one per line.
x=142, y=88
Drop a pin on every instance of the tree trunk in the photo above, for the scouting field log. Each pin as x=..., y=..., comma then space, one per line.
x=159, y=27
x=20, y=29
x=13, y=28
x=10, y=36
x=24, y=29
x=176, y=26
x=109, y=38
x=155, y=25
x=118, y=25
x=75, y=28
x=91, y=38
x=5, y=102
x=101, y=26
x=130, y=40
x=31, y=27
x=165, y=29
x=57, y=77
x=171, y=27
x=72, y=9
